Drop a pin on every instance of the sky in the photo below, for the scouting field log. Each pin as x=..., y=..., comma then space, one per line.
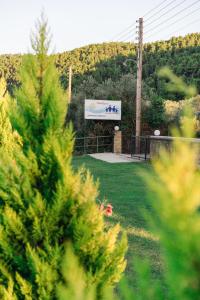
x=78, y=23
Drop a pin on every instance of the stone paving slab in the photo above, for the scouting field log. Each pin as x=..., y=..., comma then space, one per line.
x=115, y=158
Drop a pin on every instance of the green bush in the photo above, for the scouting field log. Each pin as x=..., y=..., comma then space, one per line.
x=174, y=221
x=43, y=202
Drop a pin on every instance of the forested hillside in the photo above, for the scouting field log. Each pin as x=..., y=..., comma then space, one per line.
x=104, y=61
x=103, y=71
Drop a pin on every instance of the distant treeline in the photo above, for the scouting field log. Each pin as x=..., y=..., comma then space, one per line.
x=104, y=61
x=108, y=70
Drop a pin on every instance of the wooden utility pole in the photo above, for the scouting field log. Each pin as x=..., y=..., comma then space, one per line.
x=70, y=85
x=139, y=87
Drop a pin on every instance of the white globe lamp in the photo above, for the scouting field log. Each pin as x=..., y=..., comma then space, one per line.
x=157, y=132
x=116, y=128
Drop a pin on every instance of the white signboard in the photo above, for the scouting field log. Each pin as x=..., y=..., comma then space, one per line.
x=102, y=110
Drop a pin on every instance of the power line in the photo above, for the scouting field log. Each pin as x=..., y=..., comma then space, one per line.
x=160, y=10
x=128, y=33
x=168, y=11
x=157, y=6
x=185, y=26
x=123, y=32
x=166, y=20
x=129, y=38
x=169, y=25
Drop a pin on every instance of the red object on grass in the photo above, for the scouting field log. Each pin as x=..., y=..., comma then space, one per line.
x=108, y=210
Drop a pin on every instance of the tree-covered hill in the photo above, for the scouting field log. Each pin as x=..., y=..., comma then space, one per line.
x=104, y=61
x=108, y=71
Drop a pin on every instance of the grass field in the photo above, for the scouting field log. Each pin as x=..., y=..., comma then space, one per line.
x=123, y=185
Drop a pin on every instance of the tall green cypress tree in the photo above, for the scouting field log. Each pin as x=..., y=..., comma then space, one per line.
x=43, y=202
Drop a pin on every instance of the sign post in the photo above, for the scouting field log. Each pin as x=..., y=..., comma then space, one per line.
x=105, y=110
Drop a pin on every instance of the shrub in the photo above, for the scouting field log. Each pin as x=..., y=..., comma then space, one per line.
x=175, y=221
x=43, y=202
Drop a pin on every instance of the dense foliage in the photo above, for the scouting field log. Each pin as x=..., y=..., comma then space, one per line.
x=99, y=69
x=174, y=221
x=43, y=203
x=124, y=88
x=105, y=61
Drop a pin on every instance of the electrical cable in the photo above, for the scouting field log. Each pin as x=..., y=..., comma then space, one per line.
x=185, y=26
x=168, y=11
x=180, y=19
x=157, y=6
x=166, y=20
x=160, y=10
x=123, y=32
x=128, y=33
x=129, y=38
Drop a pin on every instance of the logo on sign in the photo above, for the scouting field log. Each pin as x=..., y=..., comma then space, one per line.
x=112, y=109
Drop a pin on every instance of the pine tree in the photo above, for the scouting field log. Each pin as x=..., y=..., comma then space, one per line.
x=44, y=203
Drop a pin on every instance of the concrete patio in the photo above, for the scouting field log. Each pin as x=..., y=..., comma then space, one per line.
x=115, y=158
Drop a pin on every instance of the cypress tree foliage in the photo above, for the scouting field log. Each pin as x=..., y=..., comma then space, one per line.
x=74, y=286
x=43, y=202
x=7, y=137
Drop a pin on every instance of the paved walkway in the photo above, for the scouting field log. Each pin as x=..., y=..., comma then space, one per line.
x=115, y=158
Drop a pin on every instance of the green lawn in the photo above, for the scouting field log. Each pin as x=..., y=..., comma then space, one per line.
x=123, y=185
